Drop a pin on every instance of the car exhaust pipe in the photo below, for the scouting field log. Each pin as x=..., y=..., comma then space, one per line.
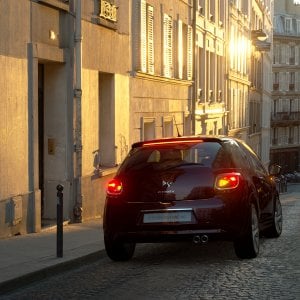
x=197, y=239
x=204, y=239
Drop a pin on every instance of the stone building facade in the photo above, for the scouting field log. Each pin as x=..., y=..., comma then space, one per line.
x=285, y=118
x=210, y=67
x=82, y=81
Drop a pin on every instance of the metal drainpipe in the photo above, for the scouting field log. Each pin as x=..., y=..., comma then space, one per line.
x=77, y=210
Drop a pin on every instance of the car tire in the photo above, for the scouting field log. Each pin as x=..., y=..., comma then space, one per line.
x=117, y=250
x=247, y=246
x=276, y=227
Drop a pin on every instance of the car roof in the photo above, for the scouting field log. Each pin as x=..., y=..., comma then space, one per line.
x=182, y=139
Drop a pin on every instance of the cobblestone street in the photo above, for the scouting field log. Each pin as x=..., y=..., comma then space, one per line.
x=185, y=271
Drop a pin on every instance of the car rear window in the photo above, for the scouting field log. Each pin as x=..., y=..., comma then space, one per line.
x=205, y=154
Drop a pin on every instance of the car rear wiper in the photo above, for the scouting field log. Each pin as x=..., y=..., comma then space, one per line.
x=180, y=164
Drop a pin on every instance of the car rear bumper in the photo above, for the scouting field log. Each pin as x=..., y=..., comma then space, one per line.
x=170, y=236
x=215, y=218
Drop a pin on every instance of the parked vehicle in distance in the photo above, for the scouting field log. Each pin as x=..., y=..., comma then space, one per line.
x=196, y=188
x=293, y=177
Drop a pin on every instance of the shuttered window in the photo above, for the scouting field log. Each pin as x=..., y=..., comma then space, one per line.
x=143, y=36
x=184, y=51
x=146, y=38
x=150, y=48
x=167, y=46
x=190, y=53
x=180, y=50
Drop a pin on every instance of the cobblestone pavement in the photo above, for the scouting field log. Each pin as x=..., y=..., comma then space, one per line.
x=185, y=271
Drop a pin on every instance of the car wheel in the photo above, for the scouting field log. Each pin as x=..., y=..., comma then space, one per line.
x=276, y=227
x=247, y=246
x=117, y=250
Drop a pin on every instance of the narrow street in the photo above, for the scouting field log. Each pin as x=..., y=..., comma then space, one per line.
x=185, y=271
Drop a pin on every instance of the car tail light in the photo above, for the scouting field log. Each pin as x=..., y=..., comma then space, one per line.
x=227, y=181
x=114, y=187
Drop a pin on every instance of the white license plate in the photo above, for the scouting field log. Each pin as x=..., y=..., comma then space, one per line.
x=168, y=217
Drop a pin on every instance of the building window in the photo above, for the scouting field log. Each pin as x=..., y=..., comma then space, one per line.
x=292, y=81
x=201, y=7
x=184, y=51
x=288, y=25
x=147, y=39
x=167, y=126
x=276, y=81
x=180, y=50
x=292, y=55
x=147, y=128
x=187, y=124
x=106, y=156
x=189, y=53
x=298, y=26
x=276, y=54
x=297, y=82
x=167, y=46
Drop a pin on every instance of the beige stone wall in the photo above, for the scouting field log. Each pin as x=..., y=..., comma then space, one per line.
x=122, y=117
x=90, y=122
x=13, y=127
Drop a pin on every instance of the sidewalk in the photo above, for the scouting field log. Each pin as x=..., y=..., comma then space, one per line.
x=28, y=257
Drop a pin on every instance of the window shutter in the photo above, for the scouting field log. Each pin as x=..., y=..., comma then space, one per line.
x=277, y=49
x=150, y=40
x=297, y=79
x=287, y=80
x=170, y=46
x=143, y=53
x=180, y=50
x=287, y=54
x=282, y=58
x=281, y=81
x=136, y=36
x=167, y=48
x=296, y=55
x=190, y=53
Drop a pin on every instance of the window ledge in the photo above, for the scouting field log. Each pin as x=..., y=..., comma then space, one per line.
x=63, y=5
x=104, y=171
x=139, y=74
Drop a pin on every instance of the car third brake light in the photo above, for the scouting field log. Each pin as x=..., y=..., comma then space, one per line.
x=171, y=142
x=227, y=181
x=114, y=187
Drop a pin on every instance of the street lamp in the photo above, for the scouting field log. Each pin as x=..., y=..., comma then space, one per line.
x=259, y=38
x=258, y=35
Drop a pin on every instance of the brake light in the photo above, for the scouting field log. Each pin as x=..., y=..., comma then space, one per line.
x=171, y=142
x=114, y=187
x=227, y=181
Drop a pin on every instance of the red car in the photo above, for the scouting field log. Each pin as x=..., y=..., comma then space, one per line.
x=196, y=188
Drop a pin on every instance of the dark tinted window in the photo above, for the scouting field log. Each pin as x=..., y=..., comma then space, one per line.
x=206, y=154
x=238, y=156
x=253, y=159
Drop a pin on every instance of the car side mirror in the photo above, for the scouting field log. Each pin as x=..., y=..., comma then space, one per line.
x=274, y=170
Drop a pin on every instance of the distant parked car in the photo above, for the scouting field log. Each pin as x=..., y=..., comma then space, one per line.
x=293, y=176
x=297, y=176
x=196, y=188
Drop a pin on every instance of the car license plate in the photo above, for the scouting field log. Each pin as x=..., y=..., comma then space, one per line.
x=168, y=217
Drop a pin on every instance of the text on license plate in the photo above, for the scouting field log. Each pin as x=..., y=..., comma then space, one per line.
x=168, y=217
